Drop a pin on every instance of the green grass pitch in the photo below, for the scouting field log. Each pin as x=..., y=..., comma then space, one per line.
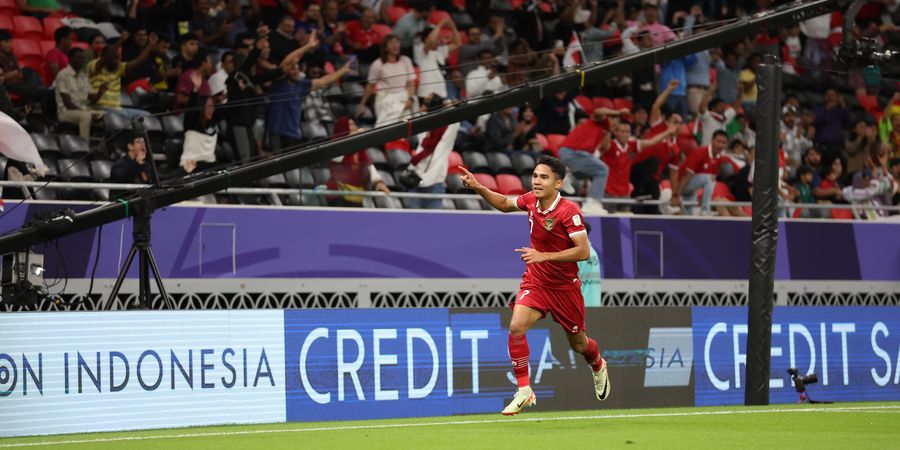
x=839, y=426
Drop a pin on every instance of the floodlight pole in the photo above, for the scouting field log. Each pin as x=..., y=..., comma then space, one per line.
x=761, y=295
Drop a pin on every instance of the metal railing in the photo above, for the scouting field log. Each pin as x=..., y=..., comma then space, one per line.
x=274, y=193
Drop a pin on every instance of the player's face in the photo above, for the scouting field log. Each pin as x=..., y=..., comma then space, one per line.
x=544, y=182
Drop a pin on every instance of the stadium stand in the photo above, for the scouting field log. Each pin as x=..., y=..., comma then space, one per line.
x=849, y=118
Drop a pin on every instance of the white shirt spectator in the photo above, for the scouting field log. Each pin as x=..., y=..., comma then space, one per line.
x=817, y=27
x=711, y=122
x=392, y=77
x=431, y=78
x=477, y=82
x=433, y=169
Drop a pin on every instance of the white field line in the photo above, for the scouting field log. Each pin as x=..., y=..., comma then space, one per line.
x=861, y=409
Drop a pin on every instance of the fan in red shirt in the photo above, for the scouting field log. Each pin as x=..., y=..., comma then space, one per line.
x=362, y=38
x=550, y=284
x=618, y=154
x=699, y=170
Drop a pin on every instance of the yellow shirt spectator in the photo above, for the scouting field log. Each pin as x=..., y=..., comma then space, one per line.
x=113, y=80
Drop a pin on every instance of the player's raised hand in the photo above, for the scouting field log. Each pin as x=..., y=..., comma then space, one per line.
x=530, y=255
x=469, y=180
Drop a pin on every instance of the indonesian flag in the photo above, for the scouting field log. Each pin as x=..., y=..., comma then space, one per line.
x=15, y=143
x=574, y=53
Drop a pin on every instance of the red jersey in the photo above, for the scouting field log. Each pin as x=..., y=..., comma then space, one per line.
x=667, y=151
x=586, y=136
x=552, y=231
x=700, y=160
x=618, y=159
x=364, y=38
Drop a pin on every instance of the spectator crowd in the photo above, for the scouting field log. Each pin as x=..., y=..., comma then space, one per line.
x=230, y=81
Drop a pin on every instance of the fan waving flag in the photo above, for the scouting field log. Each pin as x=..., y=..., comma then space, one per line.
x=16, y=143
x=574, y=53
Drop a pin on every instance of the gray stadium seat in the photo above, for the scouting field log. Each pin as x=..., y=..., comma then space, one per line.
x=387, y=202
x=101, y=170
x=448, y=204
x=468, y=204
x=52, y=170
x=378, y=159
x=74, y=170
x=500, y=163
x=398, y=159
x=73, y=146
x=476, y=162
x=275, y=181
x=526, y=182
x=313, y=130
x=523, y=163
x=321, y=175
x=46, y=144
x=172, y=125
x=307, y=181
x=388, y=180
x=455, y=184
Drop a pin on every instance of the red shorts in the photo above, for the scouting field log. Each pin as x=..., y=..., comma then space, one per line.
x=566, y=305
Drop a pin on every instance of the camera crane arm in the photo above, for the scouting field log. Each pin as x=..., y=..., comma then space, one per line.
x=146, y=201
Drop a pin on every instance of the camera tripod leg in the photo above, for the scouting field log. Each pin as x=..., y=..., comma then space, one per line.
x=120, y=279
x=159, y=283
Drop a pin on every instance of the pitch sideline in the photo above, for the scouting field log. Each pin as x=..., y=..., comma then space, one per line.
x=873, y=409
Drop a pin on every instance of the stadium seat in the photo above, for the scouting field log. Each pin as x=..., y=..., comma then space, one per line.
x=394, y=13
x=476, y=162
x=468, y=204
x=399, y=144
x=6, y=22
x=585, y=102
x=437, y=16
x=172, y=125
x=173, y=148
x=455, y=184
x=46, y=46
x=523, y=164
x=9, y=8
x=500, y=163
x=509, y=185
x=74, y=170
x=46, y=194
x=275, y=181
x=620, y=103
x=487, y=181
x=448, y=204
x=526, y=182
x=52, y=168
x=313, y=130
x=46, y=144
x=388, y=202
x=398, y=159
x=454, y=162
x=292, y=177
x=51, y=24
x=101, y=170
x=73, y=146
x=28, y=51
x=388, y=180
x=307, y=181
x=542, y=140
x=603, y=102
x=27, y=27
x=553, y=143
x=338, y=109
x=377, y=158
x=382, y=30
x=462, y=20
x=321, y=175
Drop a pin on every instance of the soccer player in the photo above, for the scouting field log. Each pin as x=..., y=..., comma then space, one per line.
x=550, y=284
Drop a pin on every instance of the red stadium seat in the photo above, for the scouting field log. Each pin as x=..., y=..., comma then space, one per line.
x=382, y=30
x=399, y=144
x=869, y=103
x=46, y=46
x=437, y=16
x=603, y=102
x=509, y=184
x=554, y=141
x=28, y=52
x=586, y=103
x=9, y=8
x=6, y=23
x=545, y=143
x=395, y=13
x=455, y=161
x=620, y=103
x=487, y=181
x=842, y=214
x=51, y=24
x=27, y=27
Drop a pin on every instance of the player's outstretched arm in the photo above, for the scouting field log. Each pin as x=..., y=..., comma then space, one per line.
x=498, y=201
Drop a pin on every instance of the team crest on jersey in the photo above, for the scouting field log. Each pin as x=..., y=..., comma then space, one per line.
x=548, y=223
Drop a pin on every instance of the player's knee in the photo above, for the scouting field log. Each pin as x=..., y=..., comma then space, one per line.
x=578, y=346
x=517, y=328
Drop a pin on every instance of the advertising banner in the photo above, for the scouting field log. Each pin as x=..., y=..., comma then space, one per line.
x=853, y=351
x=83, y=372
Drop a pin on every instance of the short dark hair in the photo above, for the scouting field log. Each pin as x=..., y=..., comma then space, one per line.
x=487, y=50
x=803, y=170
x=720, y=132
x=133, y=136
x=62, y=33
x=735, y=142
x=556, y=166
x=5, y=35
x=74, y=52
x=185, y=38
x=715, y=102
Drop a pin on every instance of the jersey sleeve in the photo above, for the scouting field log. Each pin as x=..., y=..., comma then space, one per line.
x=574, y=222
x=524, y=200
